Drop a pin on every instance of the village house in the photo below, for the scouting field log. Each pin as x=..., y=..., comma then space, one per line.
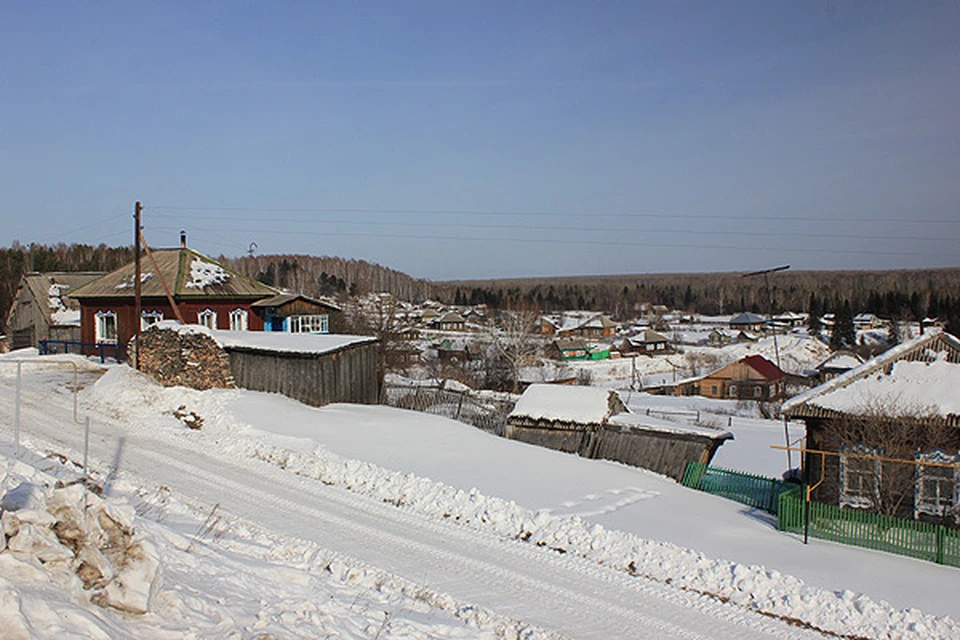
x=647, y=342
x=866, y=321
x=837, y=363
x=747, y=321
x=582, y=324
x=204, y=292
x=297, y=313
x=790, y=320
x=450, y=321
x=569, y=349
x=454, y=351
x=719, y=338
x=750, y=378
x=870, y=430
x=42, y=308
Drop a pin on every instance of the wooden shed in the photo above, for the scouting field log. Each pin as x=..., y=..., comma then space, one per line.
x=594, y=423
x=316, y=369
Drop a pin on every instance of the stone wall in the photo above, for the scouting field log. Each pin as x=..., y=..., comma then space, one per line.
x=192, y=360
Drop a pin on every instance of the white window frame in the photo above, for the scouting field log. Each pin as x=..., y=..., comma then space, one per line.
x=102, y=328
x=239, y=320
x=150, y=318
x=860, y=477
x=758, y=391
x=310, y=324
x=933, y=494
x=207, y=318
x=732, y=391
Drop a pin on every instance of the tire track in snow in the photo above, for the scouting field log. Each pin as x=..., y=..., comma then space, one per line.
x=510, y=578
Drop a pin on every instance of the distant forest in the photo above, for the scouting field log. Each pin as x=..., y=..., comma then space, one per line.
x=903, y=294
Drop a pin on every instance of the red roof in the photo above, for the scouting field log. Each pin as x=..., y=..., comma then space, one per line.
x=764, y=367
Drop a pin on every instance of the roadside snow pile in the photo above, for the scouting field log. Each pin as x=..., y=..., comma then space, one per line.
x=88, y=547
x=753, y=587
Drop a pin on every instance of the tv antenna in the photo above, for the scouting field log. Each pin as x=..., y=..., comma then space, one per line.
x=776, y=349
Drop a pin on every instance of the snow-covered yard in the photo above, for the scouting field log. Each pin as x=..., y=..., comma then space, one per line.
x=254, y=519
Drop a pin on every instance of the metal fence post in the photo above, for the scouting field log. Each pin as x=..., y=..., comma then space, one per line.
x=16, y=415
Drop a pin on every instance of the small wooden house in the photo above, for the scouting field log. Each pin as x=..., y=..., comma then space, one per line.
x=837, y=363
x=870, y=430
x=748, y=322
x=647, y=343
x=42, y=308
x=205, y=293
x=567, y=349
x=750, y=378
x=582, y=324
x=450, y=321
x=453, y=351
x=297, y=313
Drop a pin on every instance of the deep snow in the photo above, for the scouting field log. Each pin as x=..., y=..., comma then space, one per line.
x=607, y=513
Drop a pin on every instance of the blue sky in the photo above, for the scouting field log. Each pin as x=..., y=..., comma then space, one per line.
x=491, y=139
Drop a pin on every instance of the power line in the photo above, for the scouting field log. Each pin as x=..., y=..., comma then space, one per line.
x=540, y=228
x=86, y=226
x=555, y=214
x=577, y=242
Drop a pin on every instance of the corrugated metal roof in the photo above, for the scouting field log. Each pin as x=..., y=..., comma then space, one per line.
x=187, y=273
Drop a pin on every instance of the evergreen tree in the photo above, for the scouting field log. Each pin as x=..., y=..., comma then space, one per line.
x=814, y=325
x=844, y=334
x=893, y=333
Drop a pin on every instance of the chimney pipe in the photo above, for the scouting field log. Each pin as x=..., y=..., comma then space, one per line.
x=183, y=239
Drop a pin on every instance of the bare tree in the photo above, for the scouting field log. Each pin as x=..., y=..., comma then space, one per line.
x=514, y=336
x=882, y=444
x=382, y=315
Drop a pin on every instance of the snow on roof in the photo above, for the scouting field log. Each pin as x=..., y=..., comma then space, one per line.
x=841, y=360
x=911, y=388
x=587, y=405
x=312, y=343
x=646, y=423
x=65, y=317
x=894, y=383
x=204, y=274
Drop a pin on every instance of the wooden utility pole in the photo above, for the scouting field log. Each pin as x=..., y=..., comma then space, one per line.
x=137, y=210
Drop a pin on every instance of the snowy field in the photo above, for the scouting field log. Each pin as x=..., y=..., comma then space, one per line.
x=279, y=520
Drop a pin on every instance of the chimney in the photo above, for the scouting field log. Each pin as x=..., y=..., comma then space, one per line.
x=183, y=239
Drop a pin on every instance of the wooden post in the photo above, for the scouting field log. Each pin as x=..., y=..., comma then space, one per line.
x=137, y=209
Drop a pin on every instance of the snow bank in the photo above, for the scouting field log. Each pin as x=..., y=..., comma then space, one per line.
x=81, y=540
x=753, y=587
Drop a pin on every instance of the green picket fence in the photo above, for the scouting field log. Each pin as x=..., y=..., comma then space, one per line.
x=912, y=538
x=745, y=488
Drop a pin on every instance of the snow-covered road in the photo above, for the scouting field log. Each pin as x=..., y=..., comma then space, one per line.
x=569, y=595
